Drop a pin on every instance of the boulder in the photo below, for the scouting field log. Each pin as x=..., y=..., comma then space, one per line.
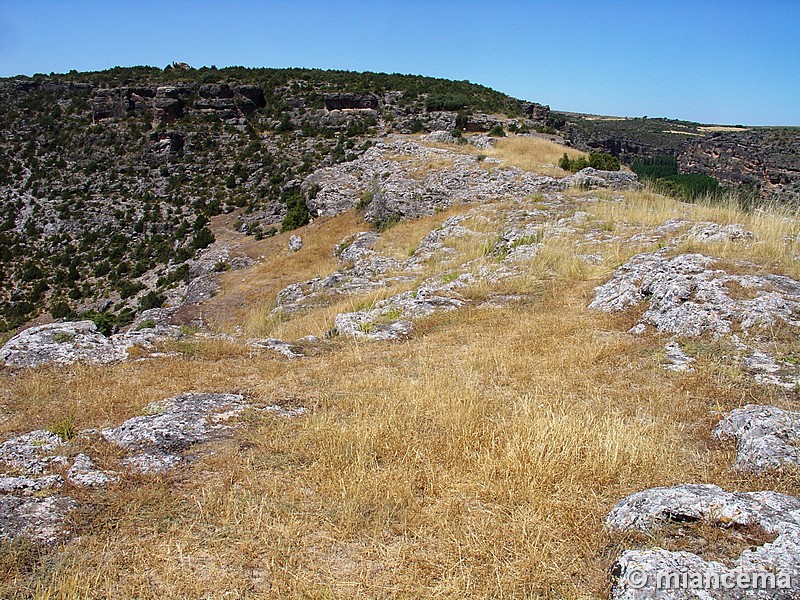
x=767, y=437
x=640, y=574
x=157, y=440
x=60, y=343
x=295, y=243
x=591, y=178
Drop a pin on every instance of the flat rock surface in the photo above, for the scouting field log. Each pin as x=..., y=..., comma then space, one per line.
x=157, y=440
x=40, y=519
x=687, y=296
x=637, y=572
x=767, y=437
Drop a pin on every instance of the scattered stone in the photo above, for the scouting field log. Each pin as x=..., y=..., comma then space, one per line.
x=295, y=243
x=288, y=350
x=83, y=473
x=677, y=359
x=767, y=437
x=157, y=441
x=40, y=519
x=651, y=509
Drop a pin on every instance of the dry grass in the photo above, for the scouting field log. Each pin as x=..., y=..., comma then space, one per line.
x=776, y=229
x=476, y=460
x=538, y=155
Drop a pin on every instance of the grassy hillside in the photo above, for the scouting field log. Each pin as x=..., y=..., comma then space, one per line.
x=476, y=459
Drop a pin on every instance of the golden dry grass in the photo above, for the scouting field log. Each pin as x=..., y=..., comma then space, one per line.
x=476, y=460
x=776, y=228
x=535, y=154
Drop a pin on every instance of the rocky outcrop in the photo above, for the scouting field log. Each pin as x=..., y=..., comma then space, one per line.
x=640, y=574
x=164, y=147
x=351, y=101
x=399, y=178
x=295, y=243
x=767, y=437
x=590, y=178
x=61, y=343
x=685, y=295
x=80, y=341
x=169, y=103
x=156, y=441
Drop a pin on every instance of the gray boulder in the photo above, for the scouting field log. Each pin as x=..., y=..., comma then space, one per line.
x=767, y=437
x=158, y=440
x=591, y=178
x=640, y=574
x=61, y=343
x=295, y=243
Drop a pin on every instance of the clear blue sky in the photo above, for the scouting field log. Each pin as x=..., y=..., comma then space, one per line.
x=716, y=62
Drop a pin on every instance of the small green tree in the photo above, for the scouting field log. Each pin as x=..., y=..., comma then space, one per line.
x=203, y=238
x=297, y=213
x=604, y=161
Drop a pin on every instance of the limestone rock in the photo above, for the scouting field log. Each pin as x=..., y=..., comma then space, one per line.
x=677, y=359
x=593, y=178
x=440, y=137
x=398, y=173
x=83, y=473
x=40, y=519
x=32, y=453
x=636, y=572
x=687, y=297
x=157, y=440
x=714, y=232
x=295, y=243
x=288, y=350
x=60, y=343
x=27, y=485
x=767, y=437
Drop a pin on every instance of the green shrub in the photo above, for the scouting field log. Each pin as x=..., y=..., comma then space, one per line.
x=365, y=200
x=151, y=300
x=60, y=310
x=497, y=131
x=386, y=222
x=203, y=239
x=604, y=161
x=297, y=213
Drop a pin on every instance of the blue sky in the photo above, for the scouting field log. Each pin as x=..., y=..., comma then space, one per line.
x=715, y=62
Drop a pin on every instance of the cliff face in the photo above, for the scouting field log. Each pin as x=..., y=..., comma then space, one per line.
x=765, y=158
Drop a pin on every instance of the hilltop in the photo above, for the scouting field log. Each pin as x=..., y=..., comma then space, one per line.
x=108, y=180
x=380, y=346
